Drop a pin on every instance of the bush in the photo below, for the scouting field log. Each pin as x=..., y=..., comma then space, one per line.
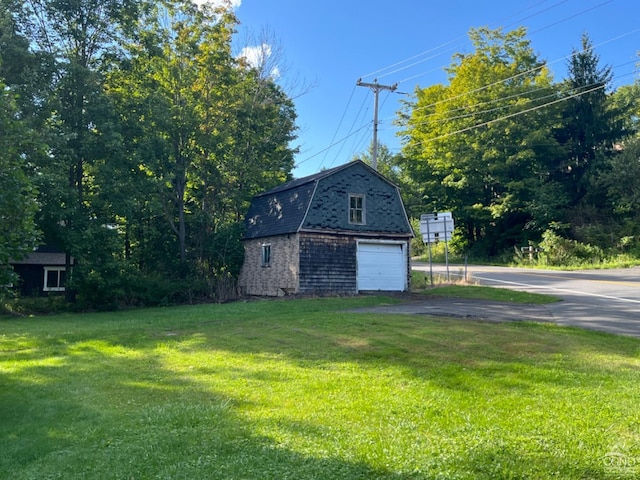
x=560, y=251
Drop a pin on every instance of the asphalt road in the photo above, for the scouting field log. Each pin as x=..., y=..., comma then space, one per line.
x=605, y=300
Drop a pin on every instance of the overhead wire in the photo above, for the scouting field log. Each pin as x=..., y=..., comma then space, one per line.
x=355, y=120
x=398, y=64
x=337, y=142
x=378, y=73
x=520, y=74
x=389, y=73
x=590, y=88
x=599, y=86
x=582, y=12
x=335, y=134
x=360, y=144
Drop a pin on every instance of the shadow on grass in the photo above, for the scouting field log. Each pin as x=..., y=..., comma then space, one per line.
x=84, y=413
x=83, y=406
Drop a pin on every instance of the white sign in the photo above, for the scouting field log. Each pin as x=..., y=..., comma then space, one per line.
x=436, y=227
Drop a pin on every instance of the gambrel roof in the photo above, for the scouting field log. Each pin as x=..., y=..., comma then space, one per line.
x=319, y=202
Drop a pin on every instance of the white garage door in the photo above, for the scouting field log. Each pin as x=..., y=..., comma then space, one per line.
x=381, y=266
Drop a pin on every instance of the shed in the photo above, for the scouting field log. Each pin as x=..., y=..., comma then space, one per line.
x=41, y=273
x=340, y=231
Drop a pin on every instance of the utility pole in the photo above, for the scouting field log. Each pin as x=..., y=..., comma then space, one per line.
x=376, y=87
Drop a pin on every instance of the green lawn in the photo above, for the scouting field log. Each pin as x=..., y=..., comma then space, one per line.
x=299, y=389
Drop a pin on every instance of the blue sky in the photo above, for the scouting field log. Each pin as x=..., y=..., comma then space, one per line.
x=331, y=44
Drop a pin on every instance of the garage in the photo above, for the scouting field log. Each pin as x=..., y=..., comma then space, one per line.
x=382, y=266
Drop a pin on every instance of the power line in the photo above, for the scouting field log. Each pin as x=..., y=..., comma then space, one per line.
x=399, y=66
x=337, y=142
x=511, y=115
x=527, y=72
x=379, y=73
x=582, y=12
x=335, y=134
x=353, y=124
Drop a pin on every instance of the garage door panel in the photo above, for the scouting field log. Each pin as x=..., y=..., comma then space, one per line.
x=381, y=267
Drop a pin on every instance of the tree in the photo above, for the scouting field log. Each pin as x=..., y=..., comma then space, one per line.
x=478, y=145
x=21, y=75
x=589, y=127
x=208, y=131
x=81, y=37
x=157, y=137
x=620, y=179
x=17, y=195
x=625, y=101
x=174, y=85
x=387, y=161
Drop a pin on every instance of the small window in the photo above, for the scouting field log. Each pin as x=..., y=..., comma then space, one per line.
x=356, y=209
x=54, y=279
x=266, y=255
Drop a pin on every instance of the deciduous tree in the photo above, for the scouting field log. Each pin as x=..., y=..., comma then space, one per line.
x=478, y=145
x=17, y=196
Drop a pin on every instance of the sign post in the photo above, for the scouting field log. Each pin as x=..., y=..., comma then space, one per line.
x=435, y=227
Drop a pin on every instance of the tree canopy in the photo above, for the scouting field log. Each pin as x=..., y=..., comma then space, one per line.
x=511, y=151
x=156, y=139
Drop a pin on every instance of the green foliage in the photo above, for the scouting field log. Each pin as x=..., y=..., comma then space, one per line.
x=512, y=153
x=468, y=154
x=18, y=233
x=560, y=251
x=621, y=180
x=156, y=139
x=590, y=127
x=417, y=244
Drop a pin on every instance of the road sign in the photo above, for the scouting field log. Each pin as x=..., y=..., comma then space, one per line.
x=436, y=227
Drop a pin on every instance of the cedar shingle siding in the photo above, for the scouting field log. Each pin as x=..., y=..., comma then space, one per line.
x=327, y=264
x=313, y=245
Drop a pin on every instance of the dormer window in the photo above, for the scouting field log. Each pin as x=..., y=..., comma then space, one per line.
x=356, y=209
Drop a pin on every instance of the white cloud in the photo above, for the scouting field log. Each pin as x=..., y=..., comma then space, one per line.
x=258, y=57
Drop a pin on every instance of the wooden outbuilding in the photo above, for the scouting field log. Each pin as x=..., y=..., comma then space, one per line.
x=339, y=231
x=43, y=272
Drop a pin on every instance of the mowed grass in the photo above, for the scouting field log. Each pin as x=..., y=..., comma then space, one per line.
x=305, y=389
x=479, y=292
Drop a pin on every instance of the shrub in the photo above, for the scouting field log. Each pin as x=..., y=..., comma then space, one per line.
x=560, y=251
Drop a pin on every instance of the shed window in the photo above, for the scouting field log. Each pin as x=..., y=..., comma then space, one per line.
x=266, y=255
x=356, y=209
x=54, y=279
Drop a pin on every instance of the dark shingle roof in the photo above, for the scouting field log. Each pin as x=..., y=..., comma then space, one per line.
x=42, y=258
x=284, y=209
x=278, y=212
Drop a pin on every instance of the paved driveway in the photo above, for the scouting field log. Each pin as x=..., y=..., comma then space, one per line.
x=604, y=300
x=465, y=308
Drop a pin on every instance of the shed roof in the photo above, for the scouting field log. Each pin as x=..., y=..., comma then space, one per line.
x=42, y=258
x=283, y=209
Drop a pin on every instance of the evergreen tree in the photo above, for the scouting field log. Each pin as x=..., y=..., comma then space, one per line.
x=589, y=131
